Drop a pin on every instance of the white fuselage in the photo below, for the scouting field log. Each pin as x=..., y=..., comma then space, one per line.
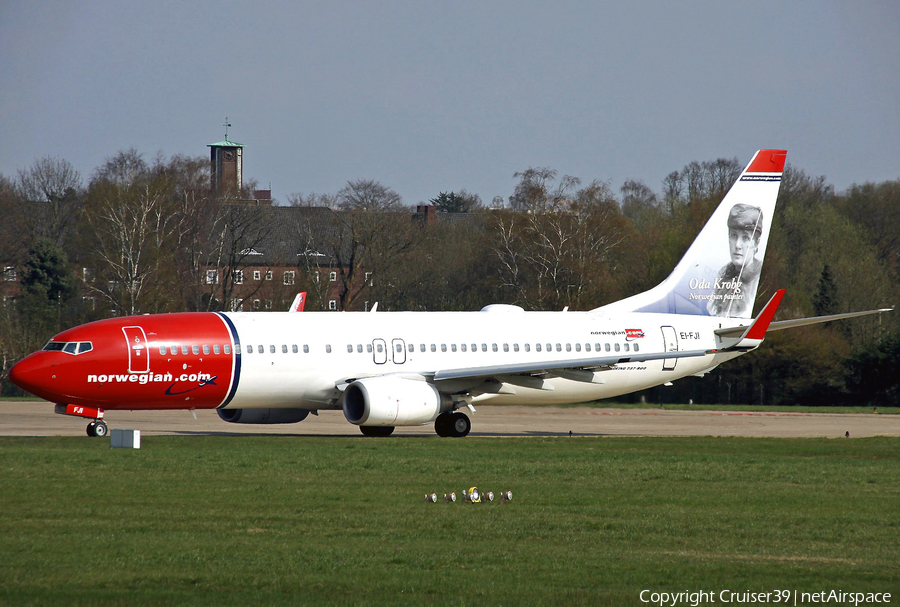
x=296, y=360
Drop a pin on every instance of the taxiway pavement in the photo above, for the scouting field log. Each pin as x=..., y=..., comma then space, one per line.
x=21, y=418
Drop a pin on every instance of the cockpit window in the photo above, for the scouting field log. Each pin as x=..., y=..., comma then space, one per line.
x=71, y=347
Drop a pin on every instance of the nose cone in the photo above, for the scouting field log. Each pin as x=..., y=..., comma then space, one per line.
x=34, y=375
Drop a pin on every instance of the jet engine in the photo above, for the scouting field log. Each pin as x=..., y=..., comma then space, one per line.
x=392, y=401
x=263, y=416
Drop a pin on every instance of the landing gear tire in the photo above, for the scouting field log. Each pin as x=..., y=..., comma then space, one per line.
x=376, y=430
x=459, y=425
x=97, y=428
x=442, y=425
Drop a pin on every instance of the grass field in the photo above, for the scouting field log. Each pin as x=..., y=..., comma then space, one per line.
x=286, y=520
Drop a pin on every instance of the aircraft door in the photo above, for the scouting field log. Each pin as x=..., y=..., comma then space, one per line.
x=670, y=343
x=399, y=351
x=138, y=352
x=379, y=351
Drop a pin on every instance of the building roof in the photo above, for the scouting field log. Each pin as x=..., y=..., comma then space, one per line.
x=225, y=144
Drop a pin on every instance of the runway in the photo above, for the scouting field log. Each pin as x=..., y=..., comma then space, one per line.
x=38, y=419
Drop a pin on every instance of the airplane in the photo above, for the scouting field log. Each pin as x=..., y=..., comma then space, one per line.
x=389, y=369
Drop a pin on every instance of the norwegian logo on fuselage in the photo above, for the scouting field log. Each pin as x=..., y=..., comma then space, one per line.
x=632, y=334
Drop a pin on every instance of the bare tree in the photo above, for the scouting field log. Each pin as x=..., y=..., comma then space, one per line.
x=54, y=186
x=131, y=223
x=637, y=198
x=551, y=255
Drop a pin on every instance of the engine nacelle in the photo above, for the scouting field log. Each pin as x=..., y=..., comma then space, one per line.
x=263, y=416
x=391, y=401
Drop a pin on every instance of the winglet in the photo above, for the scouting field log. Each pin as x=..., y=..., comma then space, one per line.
x=759, y=327
x=740, y=338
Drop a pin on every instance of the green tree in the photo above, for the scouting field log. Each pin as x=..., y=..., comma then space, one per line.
x=825, y=300
x=47, y=275
x=456, y=202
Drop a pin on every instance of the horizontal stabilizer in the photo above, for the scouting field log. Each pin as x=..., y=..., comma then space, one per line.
x=802, y=322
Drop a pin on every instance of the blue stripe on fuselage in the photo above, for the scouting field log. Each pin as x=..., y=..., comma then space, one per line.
x=236, y=341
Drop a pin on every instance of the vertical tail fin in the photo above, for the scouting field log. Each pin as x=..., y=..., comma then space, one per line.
x=298, y=303
x=719, y=273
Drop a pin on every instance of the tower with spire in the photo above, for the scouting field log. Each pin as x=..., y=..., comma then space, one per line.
x=225, y=160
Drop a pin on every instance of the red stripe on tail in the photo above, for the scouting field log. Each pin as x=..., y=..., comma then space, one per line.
x=768, y=161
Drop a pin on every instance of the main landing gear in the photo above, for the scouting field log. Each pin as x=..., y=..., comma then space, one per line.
x=452, y=423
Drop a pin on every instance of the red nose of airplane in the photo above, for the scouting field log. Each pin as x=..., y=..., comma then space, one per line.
x=34, y=375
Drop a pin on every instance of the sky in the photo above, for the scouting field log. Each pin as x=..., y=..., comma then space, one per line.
x=428, y=97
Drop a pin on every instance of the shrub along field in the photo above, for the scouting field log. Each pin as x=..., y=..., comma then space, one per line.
x=286, y=520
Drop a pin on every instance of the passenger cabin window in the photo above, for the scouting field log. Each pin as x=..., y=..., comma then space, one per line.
x=494, y=347
x=411, y=348
x=284, y=348
x=359, y=348
x=261, y=349
x=328, y=348
x=578, y=347
x=568, y=347
x=349, y=348
x=443, y=347
x=453, y=347
x=636, y=347
x=216, y=349
x=506, y=347
x=607, y=347
x=227, y=349
x=537, y=347
x=162, y=350
x=271, y=348
x=484, y=347
x=421, y=347
x=305, y=349
x=627, y=347
x=205, y=349
x=195, y=350
x=293, y=348
x=559, y=347
x=184, y=350
x=616, y=347
x=462, y=347
x=249, y=349
x=369, y=348
x=515, y=347
x=433, y=348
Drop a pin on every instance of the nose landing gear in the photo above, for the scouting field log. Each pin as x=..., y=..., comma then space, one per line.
x=97, y=427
